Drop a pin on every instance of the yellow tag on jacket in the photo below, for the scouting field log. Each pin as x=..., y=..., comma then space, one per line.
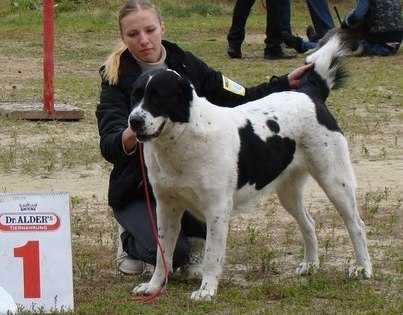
x=232, y=86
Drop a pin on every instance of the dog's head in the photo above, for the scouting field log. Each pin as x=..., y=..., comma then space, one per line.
x=159, y=98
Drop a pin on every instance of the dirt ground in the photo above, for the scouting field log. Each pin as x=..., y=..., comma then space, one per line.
x=371, y=176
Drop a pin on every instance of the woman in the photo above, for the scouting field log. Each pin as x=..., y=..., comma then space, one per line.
x=143, y=49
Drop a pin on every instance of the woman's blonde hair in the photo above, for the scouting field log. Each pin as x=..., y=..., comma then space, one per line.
x=112, y=63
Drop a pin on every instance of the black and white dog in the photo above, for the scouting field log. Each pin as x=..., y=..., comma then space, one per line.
x=212, y=160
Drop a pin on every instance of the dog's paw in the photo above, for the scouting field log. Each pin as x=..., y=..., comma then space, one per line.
x=145, y=289
x=306, y=268
x=355, y=272
x=203, y=295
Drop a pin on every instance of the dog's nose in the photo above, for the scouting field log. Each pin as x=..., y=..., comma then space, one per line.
x=136, y=122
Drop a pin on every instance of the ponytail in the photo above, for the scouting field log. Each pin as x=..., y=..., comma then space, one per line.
x=112, y=63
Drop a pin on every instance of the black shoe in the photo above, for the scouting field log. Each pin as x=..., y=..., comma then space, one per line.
x=234, y=52
x=311, y=34
x=275, y=54
x=293, y=41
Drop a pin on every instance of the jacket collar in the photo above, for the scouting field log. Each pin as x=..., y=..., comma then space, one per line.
x=174, y=55
x=130, y=66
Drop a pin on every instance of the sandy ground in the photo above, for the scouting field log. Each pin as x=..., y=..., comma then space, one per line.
x=371, y=176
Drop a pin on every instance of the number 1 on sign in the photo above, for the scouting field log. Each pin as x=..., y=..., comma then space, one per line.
x=30, y=260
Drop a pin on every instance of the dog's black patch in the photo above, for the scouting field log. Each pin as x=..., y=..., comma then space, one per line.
x=316, y=88
x=260, y=162
x=273, y=125
x=139, y=86
x=168, y=95
x=324, y=116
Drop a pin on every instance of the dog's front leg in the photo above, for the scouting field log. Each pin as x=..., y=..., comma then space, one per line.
x=168, y=222
x=217, y=221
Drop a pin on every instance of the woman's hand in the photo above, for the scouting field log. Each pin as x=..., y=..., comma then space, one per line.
x=294, y=78
x=129, y=140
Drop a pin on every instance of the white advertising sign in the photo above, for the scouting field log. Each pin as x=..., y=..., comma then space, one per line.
x=35, y=250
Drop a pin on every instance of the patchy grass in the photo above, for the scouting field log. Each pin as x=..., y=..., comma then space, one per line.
x=264, y=246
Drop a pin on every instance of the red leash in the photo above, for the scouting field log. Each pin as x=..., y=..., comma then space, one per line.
x=154, y=296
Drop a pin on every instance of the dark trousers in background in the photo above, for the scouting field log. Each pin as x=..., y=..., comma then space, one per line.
x=138, y=241
x=277, y=20
x=320, y=15
x=236, y=33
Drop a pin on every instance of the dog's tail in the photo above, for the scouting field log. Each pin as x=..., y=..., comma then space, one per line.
x=328, y=72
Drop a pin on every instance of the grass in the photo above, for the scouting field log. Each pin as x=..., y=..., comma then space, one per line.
x=264, y=247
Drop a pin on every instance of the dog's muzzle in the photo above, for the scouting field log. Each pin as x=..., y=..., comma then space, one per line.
x=137, y=124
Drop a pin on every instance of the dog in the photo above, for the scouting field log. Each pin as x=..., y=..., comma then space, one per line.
x=211, y=160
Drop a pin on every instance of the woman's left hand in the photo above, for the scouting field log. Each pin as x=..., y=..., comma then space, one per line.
x=294, y=78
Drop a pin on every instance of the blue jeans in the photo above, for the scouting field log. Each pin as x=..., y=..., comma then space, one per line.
x=378, y=49
x=320, y=15
x=307, y=45
x=370, y=49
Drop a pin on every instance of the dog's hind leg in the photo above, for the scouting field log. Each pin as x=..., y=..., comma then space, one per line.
x=335, y=175
x=290, y=193
x=169, y=223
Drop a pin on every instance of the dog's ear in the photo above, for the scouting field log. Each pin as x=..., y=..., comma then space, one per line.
x=179, y=109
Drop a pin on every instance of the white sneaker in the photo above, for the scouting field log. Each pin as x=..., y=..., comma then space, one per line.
x=129, y=266
x=124, y=262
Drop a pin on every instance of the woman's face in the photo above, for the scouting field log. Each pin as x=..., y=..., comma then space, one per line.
x=142, y=34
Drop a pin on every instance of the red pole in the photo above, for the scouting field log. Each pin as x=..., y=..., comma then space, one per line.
x=48, y=66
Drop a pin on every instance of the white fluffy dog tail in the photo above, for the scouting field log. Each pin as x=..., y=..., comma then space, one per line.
x=328, y=72
x=327, y=57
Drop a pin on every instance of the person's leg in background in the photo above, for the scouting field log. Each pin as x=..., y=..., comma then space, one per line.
x=321, y=18
x=297, y=42
x=292, y=41
x=277, y=21
x=236, y=33
x=285, y=16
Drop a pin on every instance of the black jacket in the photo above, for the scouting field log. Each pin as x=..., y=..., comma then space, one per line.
x=125, y=183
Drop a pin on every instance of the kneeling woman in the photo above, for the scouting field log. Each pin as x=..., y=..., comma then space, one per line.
x=143, y=49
